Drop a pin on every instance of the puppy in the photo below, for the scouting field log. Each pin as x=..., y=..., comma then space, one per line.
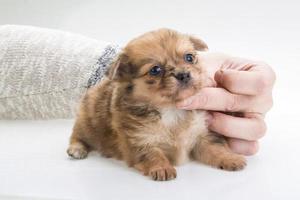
x=131, y=114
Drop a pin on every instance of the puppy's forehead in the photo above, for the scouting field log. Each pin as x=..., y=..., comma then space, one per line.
x=158, y=46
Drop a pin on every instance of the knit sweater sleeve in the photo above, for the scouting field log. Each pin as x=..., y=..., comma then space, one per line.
x=45, y=72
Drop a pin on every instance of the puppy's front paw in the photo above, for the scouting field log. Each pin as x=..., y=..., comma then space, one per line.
x=163, y=173
x=233, y=163
x=77, y=151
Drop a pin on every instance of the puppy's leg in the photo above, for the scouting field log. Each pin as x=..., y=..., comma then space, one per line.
x=213, y=150
x=155, y=164
x=77, y=149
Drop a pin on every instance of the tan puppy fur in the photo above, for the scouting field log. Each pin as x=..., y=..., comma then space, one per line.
x=131, y=114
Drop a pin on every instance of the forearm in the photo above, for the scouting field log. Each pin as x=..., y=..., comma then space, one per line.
x=44, y=72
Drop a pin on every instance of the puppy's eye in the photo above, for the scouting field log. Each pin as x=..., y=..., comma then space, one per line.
x=189, y=58
x=156, y=70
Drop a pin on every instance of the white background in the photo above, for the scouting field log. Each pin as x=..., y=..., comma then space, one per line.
x=33, y=162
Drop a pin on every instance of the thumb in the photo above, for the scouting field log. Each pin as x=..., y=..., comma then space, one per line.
x=239, y=82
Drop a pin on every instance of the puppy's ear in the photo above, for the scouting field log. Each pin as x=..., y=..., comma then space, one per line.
x=121, y=69
x=111, y=72
x=198, y=44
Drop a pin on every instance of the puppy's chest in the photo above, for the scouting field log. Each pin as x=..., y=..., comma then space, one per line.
x=181, y=129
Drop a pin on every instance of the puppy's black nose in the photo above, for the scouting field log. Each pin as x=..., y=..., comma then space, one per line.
x=183, y=77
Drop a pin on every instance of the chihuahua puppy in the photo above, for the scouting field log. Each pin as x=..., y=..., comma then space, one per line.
x=131, y=115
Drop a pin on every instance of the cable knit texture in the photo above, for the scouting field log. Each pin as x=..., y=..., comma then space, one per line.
x=44, y=72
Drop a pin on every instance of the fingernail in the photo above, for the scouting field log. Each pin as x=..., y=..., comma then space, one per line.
x=219, y=76
x=185, y=103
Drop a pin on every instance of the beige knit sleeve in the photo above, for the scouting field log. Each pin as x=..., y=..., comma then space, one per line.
x=44, y=72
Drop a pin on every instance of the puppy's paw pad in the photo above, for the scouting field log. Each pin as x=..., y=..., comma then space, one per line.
x=233, y=164
x=163, y=173
x=77, y=152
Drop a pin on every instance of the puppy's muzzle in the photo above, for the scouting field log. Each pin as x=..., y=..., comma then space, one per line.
x=183, y=77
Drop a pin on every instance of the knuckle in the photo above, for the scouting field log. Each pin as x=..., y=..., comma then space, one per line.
x=232, y=104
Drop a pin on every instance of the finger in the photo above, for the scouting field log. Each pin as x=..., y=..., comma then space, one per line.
x=256, y=81
x=250, y=129
x=240, y=82
x=244, y=147
x=219, y=99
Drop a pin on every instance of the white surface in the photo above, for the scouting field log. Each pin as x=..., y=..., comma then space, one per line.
x=33, y=162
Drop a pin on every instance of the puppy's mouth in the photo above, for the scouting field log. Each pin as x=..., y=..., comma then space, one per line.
x=186, y=86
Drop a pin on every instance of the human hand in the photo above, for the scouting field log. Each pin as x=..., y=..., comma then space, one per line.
x=239, y=102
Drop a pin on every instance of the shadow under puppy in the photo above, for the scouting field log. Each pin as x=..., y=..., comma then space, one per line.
x=131, y=115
